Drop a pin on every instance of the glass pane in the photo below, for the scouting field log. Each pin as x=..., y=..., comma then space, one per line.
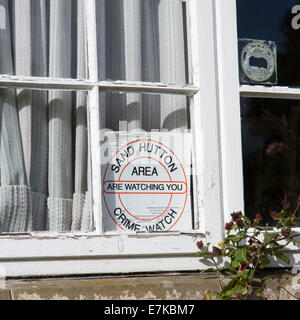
x=122, y=111
x=272, y=21
x=142, y=40
x=44, y=161
x=146, y=162
x=43, y=38
x=271, y=154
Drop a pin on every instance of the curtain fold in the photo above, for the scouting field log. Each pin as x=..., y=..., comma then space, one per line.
x=15, y=200
x=173, y=114
x=60, y=171
x=150, y=63
x=39, y=156
x=133, y=60
x=81, y=195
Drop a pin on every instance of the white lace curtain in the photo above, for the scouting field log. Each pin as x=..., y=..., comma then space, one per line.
x=44, y=148
x=44, y=159
x=142, y=40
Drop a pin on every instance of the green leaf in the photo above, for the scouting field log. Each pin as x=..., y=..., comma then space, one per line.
x=242, y=235
x=220, y=296
x=235, y=263
x=264, y=261
x=248, y=274
x=282, y=256
x=258, y=293
x=239, y=257
x=229, y=285
x=270, y=236
x=251, y=274
x=237, y=289
x=246, y=219
x=281, y=214
x=241, y=254
x=234, y=238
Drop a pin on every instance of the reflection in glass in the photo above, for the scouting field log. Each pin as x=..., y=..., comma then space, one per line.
x=271, y=154
x=272, y=21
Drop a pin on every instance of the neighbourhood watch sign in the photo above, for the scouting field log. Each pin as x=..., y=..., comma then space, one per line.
x=146, y=183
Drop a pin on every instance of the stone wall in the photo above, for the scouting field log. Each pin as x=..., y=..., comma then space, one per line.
x=175, y=286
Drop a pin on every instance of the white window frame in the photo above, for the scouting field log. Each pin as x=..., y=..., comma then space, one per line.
x=40, y=254
x=215, y=116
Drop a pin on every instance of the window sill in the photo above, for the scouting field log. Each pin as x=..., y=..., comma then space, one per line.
x=58, y=256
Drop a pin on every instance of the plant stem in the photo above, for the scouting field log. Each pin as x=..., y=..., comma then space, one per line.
x=295, y=211
x=218, y=274
x=250, y=261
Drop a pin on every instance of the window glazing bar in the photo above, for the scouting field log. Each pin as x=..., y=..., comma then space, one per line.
x=148, y=87
x=269, y=92
x=44, y=83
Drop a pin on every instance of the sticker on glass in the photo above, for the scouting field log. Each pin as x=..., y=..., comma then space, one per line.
x=257, y=61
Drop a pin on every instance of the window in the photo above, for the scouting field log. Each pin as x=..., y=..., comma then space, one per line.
x=270, y=121
x=120, y=133
x=44, y=141
x=244, y=109
x=81, y=78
